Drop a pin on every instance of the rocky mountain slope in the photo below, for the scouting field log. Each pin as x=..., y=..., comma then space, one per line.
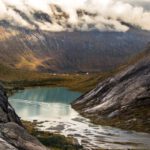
x=76, y=51
x=122, y=100
x=12, y=134
x=83, y=36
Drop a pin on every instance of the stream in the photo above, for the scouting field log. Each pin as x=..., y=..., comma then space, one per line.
x=52, y=107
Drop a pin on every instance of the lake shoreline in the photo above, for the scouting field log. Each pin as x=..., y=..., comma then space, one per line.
x=118, y=123
x=75, y=82
x=74, y=141
x=51, y=140
x=54, y=114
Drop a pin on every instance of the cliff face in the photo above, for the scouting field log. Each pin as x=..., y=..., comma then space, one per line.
x=12, y=134
x=123, y=98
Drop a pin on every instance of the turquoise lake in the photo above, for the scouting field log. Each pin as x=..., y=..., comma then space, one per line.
x=44, y=103
x=51, y=106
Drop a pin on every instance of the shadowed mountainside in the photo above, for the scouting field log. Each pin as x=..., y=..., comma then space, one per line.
x=76, y=51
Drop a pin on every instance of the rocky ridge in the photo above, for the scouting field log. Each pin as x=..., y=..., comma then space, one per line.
x=122, y=100
x=13, y=136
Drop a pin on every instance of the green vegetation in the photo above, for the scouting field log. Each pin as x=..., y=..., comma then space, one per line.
x=14, y=78
x=18, y=79
x=50, y=140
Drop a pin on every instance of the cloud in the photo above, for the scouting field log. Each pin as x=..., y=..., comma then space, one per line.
x=140, y=3
x=66, y=15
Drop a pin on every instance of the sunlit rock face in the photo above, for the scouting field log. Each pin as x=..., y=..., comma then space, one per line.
x=12, y=134
x=126, y=91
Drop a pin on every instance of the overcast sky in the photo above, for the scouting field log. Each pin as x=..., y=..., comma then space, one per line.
x=143, y=3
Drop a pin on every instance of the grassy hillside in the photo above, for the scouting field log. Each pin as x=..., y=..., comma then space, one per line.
x=8, y=74
x=79, y=82
x=21, y=78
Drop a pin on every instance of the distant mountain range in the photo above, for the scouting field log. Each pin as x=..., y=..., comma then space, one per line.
x=76, y=51
x=76, y=47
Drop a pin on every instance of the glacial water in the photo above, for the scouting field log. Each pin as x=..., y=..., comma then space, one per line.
x=52, y=107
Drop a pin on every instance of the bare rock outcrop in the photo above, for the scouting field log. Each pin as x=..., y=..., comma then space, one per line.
x=122, y=95
x=13, y=135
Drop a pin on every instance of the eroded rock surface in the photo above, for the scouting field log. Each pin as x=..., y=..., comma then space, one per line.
x=118, y=95
x=13, y=136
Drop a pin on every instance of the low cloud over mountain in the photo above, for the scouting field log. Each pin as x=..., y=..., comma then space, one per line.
x=83, y=15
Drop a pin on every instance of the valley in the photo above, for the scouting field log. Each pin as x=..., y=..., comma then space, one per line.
x=74, y=75
x=69, y=52
x=41, y=82
x=50, y=111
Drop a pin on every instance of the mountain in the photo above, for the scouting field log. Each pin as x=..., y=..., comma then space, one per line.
x=122, y=100
x=91, y=51
x=56, y=36
x=13, y=136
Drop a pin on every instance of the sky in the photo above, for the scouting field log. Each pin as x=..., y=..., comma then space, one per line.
x=106, y=14
x=140, y=3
